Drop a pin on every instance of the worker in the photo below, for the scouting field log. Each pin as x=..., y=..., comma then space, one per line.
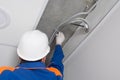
x=33, y=48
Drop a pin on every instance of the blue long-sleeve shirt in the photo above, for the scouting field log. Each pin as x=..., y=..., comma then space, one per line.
x=36, y=70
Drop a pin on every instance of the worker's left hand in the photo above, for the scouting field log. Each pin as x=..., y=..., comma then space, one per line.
x=60, y=38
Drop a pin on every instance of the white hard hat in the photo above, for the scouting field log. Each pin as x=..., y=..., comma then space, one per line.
x=33, y=46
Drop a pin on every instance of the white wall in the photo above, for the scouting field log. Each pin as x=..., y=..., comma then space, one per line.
x=98, y=57
x=8, y=56
x=24, y=15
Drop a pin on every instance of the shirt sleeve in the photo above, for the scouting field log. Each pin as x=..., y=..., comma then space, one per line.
x=57, y=58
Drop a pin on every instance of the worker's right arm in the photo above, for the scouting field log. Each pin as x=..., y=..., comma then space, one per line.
x=58, y=55
x=57, y=58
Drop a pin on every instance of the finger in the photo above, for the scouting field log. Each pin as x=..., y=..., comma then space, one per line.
x=58, y=33
x=61, y=34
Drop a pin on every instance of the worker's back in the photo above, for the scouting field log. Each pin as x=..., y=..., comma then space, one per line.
x=33, y=71
x=33, y=48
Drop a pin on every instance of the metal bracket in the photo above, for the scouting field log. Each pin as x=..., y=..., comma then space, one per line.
x=80, y=22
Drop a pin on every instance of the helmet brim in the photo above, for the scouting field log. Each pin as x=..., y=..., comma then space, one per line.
x=27, y=58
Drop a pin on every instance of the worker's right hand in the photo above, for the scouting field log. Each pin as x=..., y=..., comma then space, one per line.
x=60, y=38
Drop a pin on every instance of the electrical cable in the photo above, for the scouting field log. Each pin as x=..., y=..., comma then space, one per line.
x=72, y=17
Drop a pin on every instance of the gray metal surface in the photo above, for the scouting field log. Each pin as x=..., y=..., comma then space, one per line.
x=57, y=12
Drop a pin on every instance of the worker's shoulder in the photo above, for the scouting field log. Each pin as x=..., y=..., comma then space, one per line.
x=51, y=69
x=3, y=68
x=16, y=73
x=48, y=73
x=54, y=70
